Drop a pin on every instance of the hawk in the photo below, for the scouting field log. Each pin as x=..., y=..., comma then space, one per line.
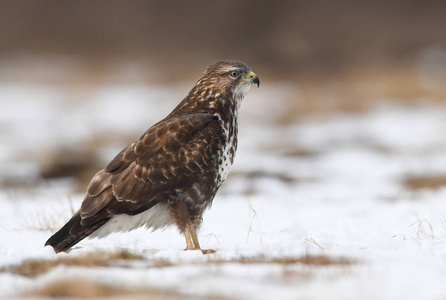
x=170, y=175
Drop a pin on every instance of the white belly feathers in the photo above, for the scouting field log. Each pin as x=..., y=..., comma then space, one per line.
x=154, y=218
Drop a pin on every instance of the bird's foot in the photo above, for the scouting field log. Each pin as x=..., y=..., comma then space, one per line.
x=208, y=251
x=204, y=251
x=192, y=242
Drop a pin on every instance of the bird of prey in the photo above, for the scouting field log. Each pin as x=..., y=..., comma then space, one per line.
x=171, y=174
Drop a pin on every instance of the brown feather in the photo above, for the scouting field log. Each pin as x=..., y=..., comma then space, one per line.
x=93, y=204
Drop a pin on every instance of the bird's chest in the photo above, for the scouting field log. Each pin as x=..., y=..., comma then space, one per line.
x=226, y=154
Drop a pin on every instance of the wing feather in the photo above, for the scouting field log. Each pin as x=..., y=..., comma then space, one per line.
x=158, y=163
x=98, y=184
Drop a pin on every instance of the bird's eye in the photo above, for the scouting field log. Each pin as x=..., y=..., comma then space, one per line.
x=234, y=74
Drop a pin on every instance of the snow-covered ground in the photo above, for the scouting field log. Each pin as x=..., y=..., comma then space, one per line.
x=329, y=185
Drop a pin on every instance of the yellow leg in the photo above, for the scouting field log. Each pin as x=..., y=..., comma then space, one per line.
x=194, y=237
x=192, y=241
x=189, y=244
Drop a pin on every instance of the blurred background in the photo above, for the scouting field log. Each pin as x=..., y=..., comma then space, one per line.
x=341, y=153
x=81, y=79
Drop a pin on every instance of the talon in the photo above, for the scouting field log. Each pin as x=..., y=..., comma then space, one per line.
x=208, y=251
x=191, y=248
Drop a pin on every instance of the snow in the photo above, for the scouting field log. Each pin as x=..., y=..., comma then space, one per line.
x=346, y=198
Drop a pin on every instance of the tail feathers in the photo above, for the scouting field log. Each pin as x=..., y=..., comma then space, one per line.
x=72, y=233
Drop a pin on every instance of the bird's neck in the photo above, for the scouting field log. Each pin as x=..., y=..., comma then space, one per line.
x=205, y=99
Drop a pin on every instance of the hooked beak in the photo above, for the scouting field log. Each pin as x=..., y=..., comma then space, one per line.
x=254, y=79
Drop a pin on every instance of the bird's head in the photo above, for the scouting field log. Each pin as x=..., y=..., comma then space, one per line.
x=223, y=82
x=231, y=76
